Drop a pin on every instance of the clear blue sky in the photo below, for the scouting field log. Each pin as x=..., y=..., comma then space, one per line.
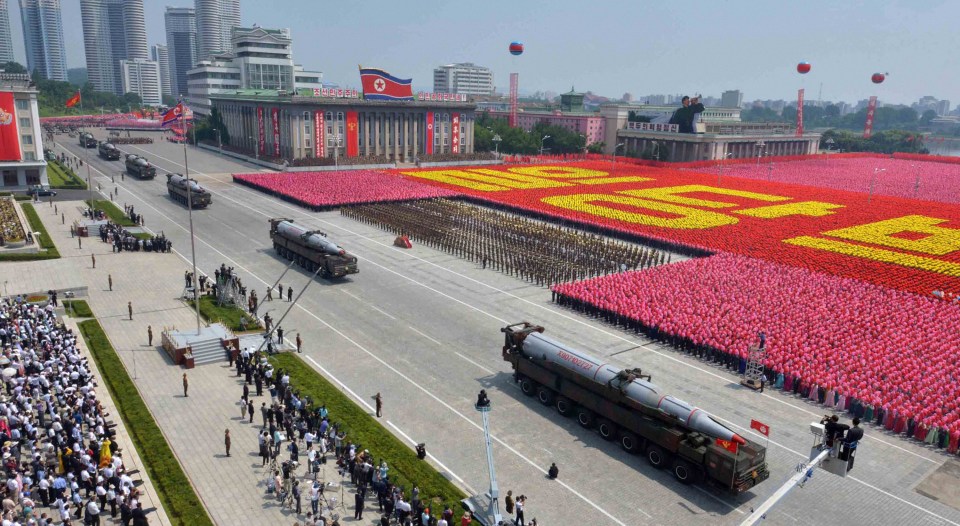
x=616, y=46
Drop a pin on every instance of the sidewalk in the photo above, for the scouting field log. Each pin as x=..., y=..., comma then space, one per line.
x=231, y=488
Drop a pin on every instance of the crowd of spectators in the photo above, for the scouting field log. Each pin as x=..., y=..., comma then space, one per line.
x=61, y=465
x=298, y=437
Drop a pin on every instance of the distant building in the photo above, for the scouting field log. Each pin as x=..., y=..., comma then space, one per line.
x=181, y=27
x=143, y=78
x=214, y=27
x=465, y=78
x=159, y=54
x=731, y=99
x=942, y=107
x=261, y=59
x=43, y=38
x=571, y=116
x=25, y=166
x=6, y=41
x=113, y=30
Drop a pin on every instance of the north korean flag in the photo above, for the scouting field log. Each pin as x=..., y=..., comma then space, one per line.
x=764, y=429
x=380, y=85
x=172, y=115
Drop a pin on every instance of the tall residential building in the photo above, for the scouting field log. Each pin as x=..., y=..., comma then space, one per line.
x=466, y=78
x=43, y=38
x=6, y=42
x=215, y=22
x=181, y=25
x=143, y=78
x=158, y=53
x=731, y=99
x=260, y=59
x=113, y=30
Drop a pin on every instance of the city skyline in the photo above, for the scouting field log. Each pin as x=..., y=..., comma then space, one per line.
x=636, y=49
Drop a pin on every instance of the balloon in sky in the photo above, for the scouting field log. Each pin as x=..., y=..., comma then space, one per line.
x=516, y=47
x=878, y=78
x=803, y=68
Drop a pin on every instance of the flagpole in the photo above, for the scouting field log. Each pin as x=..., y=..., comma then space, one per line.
x=193, y=248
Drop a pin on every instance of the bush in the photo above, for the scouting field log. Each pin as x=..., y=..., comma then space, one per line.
x=405, y=468
x=78, y=308
x=227, y=315
x=62, y=177
x=49, y=249
x=179, y=500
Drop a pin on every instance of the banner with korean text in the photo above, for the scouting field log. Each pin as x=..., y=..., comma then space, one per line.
x=261, y=132
x=800, y=112
x=275, y=120
x=319, y=142
x=454, y=133
x=871, y=110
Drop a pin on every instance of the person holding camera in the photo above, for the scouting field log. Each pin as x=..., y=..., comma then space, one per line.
x=685, y=115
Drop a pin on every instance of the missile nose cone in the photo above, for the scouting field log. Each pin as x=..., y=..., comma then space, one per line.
x=739, y=439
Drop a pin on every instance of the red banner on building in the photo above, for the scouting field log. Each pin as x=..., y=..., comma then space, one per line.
x=261, y=133
x=353, y=135
x=429, y=143
x=799, y=112
x=9, y=135
x=871, y=110
x=275, y=120
x=454, y=133
x=319, y=141
x=764, y=429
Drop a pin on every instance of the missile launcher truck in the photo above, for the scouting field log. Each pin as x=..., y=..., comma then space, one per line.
x=179, y=186
x=139, y=167
x=108, y=151
x=87, y=140
x=624, y=405
x=311, y=249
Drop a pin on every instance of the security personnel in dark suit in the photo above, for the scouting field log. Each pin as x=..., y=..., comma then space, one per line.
x=848, y=450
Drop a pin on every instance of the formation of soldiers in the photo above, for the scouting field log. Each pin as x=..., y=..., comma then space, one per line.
x=532, y=250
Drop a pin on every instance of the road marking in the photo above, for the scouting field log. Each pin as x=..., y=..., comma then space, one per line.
x=424, y=335
x=405, y=377
x=372, y=306
x=421, y=333
x=435, y=459
x=558, y=313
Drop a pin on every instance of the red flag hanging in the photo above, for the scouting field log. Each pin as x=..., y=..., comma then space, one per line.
x=729, y=445
x=764, y=429
x=74, y=100
x=871, y=110
x=353, y=134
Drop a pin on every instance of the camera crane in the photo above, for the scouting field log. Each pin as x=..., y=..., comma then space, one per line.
x=490, y=516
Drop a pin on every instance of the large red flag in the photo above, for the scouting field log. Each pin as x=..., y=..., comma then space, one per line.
x=74, y=100
x=764, y=429
x=380, y=85
x=353, y=135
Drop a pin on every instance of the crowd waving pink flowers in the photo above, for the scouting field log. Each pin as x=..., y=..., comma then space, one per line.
x=886, y=348
x=321, y=190
x=910, y=178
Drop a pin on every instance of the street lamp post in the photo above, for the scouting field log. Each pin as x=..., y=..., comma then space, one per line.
x=545, y=137
x=219, y=142
x=496, y=144
x=256, y=150
x=614, y=160
x=722, y=161
x=872, y=180
x=916, y=184
x=760, y=145
x=656, y=150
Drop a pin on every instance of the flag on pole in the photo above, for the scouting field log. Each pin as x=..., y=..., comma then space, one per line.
x=764, y=429
x=380, y=85
x=729, y=445
x=172, y=115
x=74, y=100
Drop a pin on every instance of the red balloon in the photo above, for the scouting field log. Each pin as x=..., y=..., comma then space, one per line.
x=877, y=78
x=803, y=68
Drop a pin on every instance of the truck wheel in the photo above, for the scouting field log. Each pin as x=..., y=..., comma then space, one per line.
x=545, y=395
x=606, y=428
x=528, y=386
x=685, y=472
x=585, y=417
x=629, y=442
x=564, y=406
x=657, y=457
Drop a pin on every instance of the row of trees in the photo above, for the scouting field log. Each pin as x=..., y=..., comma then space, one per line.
x=54, y=95
x=887, y=141
x=517, y=141
x=885, y=118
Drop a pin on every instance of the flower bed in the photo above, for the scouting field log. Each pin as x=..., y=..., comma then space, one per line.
x=885, y=347
x=900, y=243
x=915, y=177
x=324, y=190
x=10, y=228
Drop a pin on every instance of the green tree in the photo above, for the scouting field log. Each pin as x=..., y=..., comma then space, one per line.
x=13, y=67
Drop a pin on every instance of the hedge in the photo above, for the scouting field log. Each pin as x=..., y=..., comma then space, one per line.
x=227, y=315
x=181, y=503
x=63, y=177
x=113, y=211
x=405, y=468
x=46, y=243
x=78, y=308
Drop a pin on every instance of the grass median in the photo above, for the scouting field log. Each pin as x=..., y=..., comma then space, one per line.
x=113, y=211
x=228, y=315
x=48, y=249
x=64, y=178
x=406, y=470
x=77, y=308
x=181, y=503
